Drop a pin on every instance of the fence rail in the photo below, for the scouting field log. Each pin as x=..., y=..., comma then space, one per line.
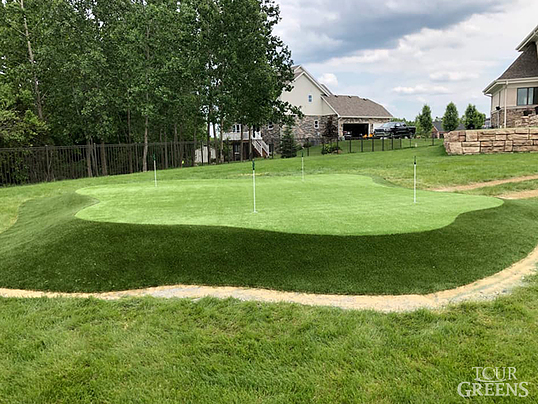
x=54, y=163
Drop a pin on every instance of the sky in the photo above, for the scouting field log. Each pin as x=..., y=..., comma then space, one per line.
x=407, y=53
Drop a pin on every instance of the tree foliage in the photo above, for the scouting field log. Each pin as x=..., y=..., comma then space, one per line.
x=80, y=71
x=473, y=119
x=424, y=121
x=288, y=146
x=331, y=131
x=451, y=119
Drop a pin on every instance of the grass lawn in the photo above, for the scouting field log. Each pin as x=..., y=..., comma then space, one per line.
x=210, y=351
x=48, y=248
x=323, y=204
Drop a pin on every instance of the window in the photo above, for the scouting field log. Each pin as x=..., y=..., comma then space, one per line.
x=270, y=126
x=316, y=124
x=527, y=96
x=310, y=98
x=236, y=129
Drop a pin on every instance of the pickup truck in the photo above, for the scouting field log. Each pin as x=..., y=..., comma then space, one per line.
x=395, y=129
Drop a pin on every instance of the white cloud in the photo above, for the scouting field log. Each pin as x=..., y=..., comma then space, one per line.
x=329, y=79
x=421, y=89
x=453, y=76
x=454, y=62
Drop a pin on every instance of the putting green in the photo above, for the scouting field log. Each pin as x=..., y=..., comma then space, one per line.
x=322, y=204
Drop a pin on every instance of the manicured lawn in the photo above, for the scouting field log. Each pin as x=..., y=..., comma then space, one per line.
x=322, y=204
x=210, y=351
x=50, y=249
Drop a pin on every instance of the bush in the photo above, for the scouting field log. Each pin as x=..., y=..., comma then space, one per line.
x=330, y=148
x=288, y=146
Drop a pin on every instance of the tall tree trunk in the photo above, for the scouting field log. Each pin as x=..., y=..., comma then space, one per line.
x=146, y=123
x=38, y=101
x=89, y=157
x=194, y=146
x=216, y=143
x=103, y=159
x=209, y=137
x=250, y=130
x=221, y=147
x=130, y=140
x=145, y=153
x=241, y=144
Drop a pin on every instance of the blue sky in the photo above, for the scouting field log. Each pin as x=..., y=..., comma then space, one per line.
x=404, y=53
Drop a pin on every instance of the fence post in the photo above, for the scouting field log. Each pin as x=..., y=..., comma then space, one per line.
x=362, y=144
x=383, y=143
x=373, y=141
x=392, y=141
x=350, y=145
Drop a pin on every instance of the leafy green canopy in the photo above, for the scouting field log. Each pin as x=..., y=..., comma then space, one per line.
x=424, y=121
x=473, y=119
x=451, y=119
x=132, y=70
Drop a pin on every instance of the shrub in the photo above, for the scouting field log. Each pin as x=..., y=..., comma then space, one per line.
x=330, y=148
x=288, y=146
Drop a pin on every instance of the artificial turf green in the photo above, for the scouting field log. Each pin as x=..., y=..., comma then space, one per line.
x=48, y=248
x=321, y=204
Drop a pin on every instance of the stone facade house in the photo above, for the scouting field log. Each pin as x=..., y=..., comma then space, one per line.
x=350, y=115
x=439, y=132
x=514, y=95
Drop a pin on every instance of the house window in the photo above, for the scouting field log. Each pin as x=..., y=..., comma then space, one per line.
x=316, y=124
x=527, y=96
x=236, y=129
x=270, y=126
x=310, y=98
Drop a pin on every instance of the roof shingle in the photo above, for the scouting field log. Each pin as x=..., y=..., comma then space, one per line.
x=352, y=106
x=526, y=66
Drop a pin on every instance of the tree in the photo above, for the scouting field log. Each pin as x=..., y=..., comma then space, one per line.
x=451, y=119
x=424, y=121
x=473, y=119
x=288, y=146
x=331, y=131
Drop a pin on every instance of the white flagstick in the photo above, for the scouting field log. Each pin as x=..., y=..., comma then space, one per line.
x=254, y=184
x=155, y=169
x=415, y=182
x=302, y=163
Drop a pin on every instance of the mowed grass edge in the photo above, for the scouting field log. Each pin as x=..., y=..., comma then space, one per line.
x=211, y=351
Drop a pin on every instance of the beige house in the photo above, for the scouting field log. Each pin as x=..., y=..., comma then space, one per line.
x=514, y=95
x=351, y=115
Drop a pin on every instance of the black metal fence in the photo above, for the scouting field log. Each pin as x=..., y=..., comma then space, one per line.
x=364, y=145
x=54, y=163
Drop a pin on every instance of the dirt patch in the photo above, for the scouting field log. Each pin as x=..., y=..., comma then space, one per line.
x=531, y=193
x=486, y=184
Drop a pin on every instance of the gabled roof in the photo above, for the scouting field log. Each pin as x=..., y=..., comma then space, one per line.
x=532, y=37
x=327, y=91
x=439, y=126
x=526, y=66
x=348, y=106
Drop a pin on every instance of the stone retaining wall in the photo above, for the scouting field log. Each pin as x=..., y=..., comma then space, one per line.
x=492, y=141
